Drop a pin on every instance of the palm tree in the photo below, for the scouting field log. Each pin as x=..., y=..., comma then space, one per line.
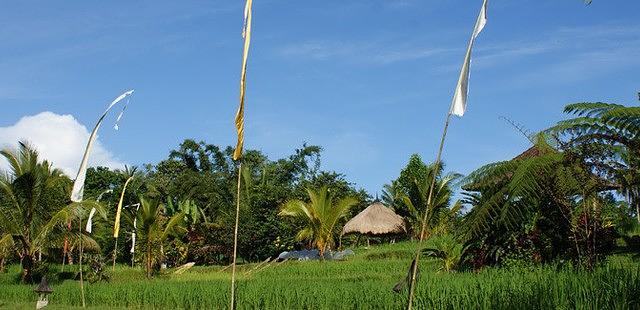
x=154, y=228
x=5, y=249
x=33, y=206
x=24, y=208
x=391, y=195
x=447, y=250
x=320, y=215
x=414, y=203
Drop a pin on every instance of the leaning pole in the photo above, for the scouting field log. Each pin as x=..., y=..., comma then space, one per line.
x=458, y=107
x=77, y=193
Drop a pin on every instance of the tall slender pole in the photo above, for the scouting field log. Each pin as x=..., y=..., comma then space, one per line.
x=414, y=269
x=115, y=251
x=80, y=263
x=458, y=106
x=232, y=305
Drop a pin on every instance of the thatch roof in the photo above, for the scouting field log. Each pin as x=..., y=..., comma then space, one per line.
x=376, y=219
x=43, y=287
x=531, y=152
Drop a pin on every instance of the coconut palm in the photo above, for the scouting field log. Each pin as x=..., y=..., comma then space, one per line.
x=415, y=203
x=391, y=195
x=447, y=250
x=320, y=215
x=33, y=204
x=25, y=188
x=154, y=228
x=5, y=249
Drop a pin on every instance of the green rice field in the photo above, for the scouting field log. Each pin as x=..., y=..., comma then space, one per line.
x=364, y=281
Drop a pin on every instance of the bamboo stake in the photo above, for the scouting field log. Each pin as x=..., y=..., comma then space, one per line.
x=115, y=250
x=225, y=268
x=258, y=266
x=414, y=270
x=266, y=266
x=235, y=243
x=80, y=263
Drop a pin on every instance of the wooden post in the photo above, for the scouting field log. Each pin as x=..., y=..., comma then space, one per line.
x=232, y=305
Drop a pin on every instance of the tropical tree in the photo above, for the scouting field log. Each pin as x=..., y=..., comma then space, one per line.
x=409, y=194
x=446, y=249
x=192, y=212
x=34, y=207
x=5, y=250
x=607, y=137
x=391, y=195
x=30, y=192
x=434, y=215
x=153, y=230
x=538, y=201
x=320, y=216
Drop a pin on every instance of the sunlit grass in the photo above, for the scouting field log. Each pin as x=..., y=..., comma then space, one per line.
x=362, y=282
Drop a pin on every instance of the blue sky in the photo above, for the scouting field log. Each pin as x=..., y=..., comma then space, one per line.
x=369, y=80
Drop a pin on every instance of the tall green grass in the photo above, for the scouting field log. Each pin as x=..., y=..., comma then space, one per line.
x=362, y=282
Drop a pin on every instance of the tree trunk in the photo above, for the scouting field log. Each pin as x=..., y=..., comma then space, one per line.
x=321, y=250
x=148, y=261
x=27, y=268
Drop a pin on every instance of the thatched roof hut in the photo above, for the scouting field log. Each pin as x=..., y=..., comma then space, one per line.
x=376, y=219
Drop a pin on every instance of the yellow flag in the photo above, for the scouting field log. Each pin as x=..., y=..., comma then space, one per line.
x=246, y=34
x=116, y=226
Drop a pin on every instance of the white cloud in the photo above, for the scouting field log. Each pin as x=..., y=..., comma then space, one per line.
x=61, y=139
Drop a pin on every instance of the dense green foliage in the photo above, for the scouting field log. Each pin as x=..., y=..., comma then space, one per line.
x=197, y=181
x=559, y=199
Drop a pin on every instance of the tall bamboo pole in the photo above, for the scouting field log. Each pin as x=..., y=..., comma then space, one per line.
x=414, y=269
x=235, y=242
x=115, y=249
x=239, y=121
x=80, y=263
x=460, y=96
x=116, y=225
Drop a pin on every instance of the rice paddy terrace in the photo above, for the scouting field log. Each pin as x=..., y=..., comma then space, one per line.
x=364, y=281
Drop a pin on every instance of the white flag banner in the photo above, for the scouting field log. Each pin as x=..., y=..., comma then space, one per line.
x=459, y=103
x=77, y=192
x=135, y=228
x=133, y=243
x=89, y=226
